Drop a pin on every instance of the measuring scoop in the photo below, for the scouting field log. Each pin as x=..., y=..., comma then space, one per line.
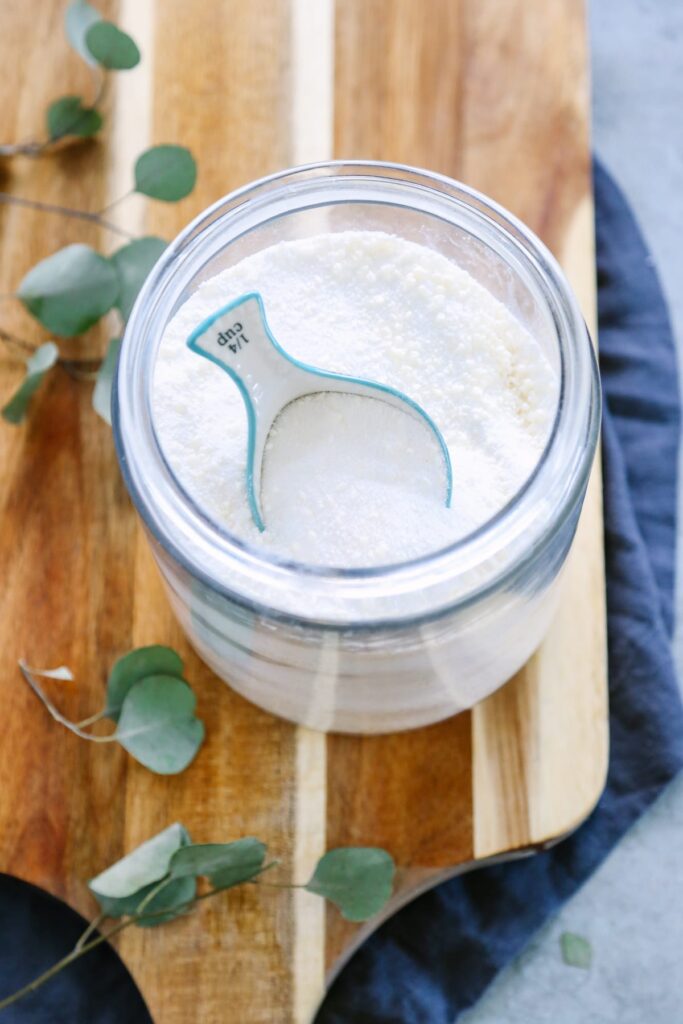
x=238, y=339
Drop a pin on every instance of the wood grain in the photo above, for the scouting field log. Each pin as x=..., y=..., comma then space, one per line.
x=57, y=472
x=493, y=94
x=244, y=775
x=466, y=91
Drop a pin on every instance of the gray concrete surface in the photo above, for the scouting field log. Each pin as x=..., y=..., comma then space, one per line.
x=631, y=910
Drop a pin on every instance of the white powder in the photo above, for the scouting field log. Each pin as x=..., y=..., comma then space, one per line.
x=349, y=481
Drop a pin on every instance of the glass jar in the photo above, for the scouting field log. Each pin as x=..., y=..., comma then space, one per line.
x=390, y=647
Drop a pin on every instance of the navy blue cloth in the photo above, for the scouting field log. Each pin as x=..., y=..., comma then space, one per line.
x=435, y=958
x=36, y=931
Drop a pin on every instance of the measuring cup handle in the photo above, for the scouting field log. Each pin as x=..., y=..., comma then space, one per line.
x=238, y=340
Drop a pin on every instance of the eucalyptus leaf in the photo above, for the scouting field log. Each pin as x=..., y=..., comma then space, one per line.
x=133, y=263
x=174, y=894
x=358, y=879
x=42, y=360
x=118, y=906
x=224, y=864
x=68, y=116
x=79, y=17
x=121, y=888
x=101, y=396
x=165, y=172
x=174, y=897
x=70, y=290
x=576, y=950
x=110, y=47
x=158, y=726
x=155, y=660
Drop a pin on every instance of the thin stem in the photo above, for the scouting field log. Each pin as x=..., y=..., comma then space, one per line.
x=57, y=715
x=115, y=202
x=65, y=211
x=20, y=343
x=91, y=721
x=278, y=885
x=92, y=927
x=150, y=896
x=75, y=954
x=268, y=866
x=102, y=83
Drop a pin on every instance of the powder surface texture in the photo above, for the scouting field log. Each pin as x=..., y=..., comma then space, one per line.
x=350, y=481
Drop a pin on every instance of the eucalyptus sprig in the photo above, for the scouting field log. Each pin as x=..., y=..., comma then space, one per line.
x=71, y=290
x=104, y=47
x=158, y=882
x=151, y=704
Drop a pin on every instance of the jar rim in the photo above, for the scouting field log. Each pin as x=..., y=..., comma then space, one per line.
x=379, y=595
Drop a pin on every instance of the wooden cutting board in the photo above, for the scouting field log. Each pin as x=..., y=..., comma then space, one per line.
x=493, y=94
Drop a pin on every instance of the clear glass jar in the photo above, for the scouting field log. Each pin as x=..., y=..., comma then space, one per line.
x=383, y=648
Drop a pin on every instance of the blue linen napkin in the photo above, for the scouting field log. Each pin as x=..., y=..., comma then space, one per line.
x=36, y=931
x=435, y=958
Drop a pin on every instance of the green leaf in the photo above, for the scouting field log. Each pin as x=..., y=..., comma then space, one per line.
x=136, y=665
x=68, y=116
x=133, y=263
x=101, y=396
x=176, y=894
x=157, y=724
x=165, y=172
x=120, y=888
x=170, y=897
x=70, y=290
x=111, y=48
x=576, y=951
x=224, y=864
x=42, y=360
x=79, y=17
x=357, y=879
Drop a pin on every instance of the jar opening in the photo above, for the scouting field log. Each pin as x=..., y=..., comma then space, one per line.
x=431, y=207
